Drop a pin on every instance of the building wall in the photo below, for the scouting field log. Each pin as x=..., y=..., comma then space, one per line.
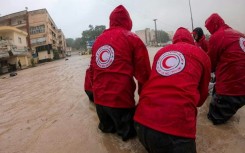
x=19, y=40
x=61, y=39
x=27, y=21
x=147, y=36
x=16, y=41
x=18, y=20
x=44, y=55
x=15, y=38
x=12, y=60
x=23, y=60
x=39, y=19
x=141, y=34
x=61, y=44
x=7, y=36
x=51, y=55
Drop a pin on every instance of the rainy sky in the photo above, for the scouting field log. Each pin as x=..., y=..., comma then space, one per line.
x=74, y=16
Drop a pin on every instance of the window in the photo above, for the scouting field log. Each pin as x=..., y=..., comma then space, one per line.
x=19, y=22
x=19, y=40
x=37, y=29
x=38, y=41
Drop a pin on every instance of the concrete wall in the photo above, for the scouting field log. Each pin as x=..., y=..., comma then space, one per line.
x=19, y=40
x=14, y=37
x=44, y=55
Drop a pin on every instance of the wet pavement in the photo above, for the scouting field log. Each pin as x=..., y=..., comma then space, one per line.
x=45, y=110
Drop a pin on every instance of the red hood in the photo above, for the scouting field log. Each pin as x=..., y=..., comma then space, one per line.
x=183, y=35
x=120, y=18
x=214, y=22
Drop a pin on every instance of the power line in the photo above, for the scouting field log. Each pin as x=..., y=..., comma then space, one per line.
x=191, y=15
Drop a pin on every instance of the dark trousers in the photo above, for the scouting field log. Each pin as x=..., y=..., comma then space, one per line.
x=158, y=142
x=119, y=120
x=90, y=95
x=222, y=108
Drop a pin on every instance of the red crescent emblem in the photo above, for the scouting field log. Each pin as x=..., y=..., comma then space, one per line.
x=101, y=58
x=165, y=61
x=244, y=43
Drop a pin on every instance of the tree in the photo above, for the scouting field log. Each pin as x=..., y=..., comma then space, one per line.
x=77, y=43
x=69, y=42
x=162, y=36
x=91, y=34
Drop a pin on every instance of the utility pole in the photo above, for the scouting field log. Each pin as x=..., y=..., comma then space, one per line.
x=28, y=30
x=155, y=29
x=191, y=15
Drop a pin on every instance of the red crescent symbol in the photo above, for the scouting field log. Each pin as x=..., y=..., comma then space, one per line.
x=165, y=60
x=101, y=54
x=244, y=43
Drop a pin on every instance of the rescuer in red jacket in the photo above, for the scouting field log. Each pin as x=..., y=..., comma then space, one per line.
x=200, y=38
x=165, y=118
x=227, y=55
x=118, y=55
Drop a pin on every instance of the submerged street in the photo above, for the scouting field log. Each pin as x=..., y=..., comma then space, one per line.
x=45, y=110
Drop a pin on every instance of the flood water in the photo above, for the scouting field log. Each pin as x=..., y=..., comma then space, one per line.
x=45, y=110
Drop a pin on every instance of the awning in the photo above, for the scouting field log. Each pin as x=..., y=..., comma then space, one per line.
x=18, y=52
x=4, y=54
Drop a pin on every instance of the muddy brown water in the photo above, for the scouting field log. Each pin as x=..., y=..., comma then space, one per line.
x=45, y=110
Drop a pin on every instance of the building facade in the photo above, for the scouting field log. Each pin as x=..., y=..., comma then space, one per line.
x=44, y=38
x=13, y=49
x=18, y=20
x=148, y=36
x=61, y=43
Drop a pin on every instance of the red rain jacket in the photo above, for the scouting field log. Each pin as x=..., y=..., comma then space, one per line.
x=87, y=81
x=118, y=56
x=203, y=43
x=227, y=54
x=177, y=85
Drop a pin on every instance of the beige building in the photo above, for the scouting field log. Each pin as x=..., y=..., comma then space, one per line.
x=13, y=49
x=44, y=38
x=61, y=43
x=43, y=34
x=17, y=20
x=147, y=36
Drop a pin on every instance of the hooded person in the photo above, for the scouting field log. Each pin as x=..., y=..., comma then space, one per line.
x=227, y=54
x=118, y=55
x=165, y=118
x=200, y=38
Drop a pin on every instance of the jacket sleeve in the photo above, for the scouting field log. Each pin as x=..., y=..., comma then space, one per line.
x=87, y=81
x=91, y=69
x=215, y=49
x=204, y=82
x=205, y=45
x=141, y=63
